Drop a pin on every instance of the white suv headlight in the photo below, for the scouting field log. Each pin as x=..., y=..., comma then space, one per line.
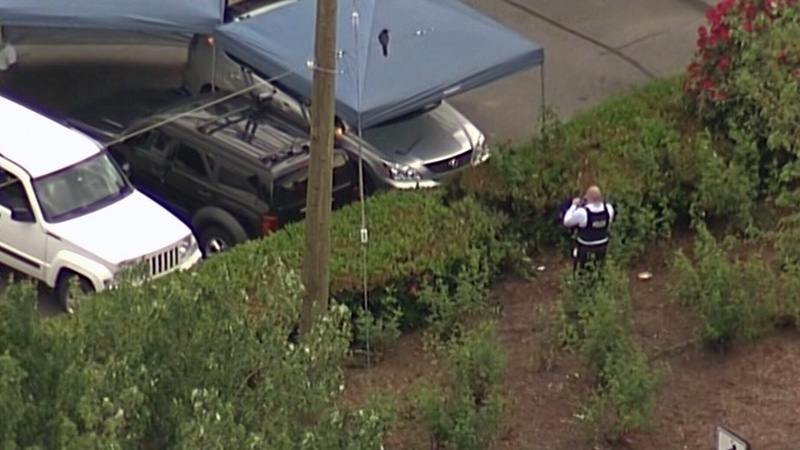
x=187, y=247
x=400, y=172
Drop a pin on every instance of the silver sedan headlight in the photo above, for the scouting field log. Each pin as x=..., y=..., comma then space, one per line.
x=482, y=150
x=400, y=172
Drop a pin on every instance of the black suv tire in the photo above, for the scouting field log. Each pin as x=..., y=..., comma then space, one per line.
x=218, y=231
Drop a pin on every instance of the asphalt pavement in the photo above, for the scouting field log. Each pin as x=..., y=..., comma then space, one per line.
x=593, y=49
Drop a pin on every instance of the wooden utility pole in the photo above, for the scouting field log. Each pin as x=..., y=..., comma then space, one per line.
x=316, y=274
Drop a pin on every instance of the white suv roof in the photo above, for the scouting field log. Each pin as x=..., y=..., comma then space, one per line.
x=39, y=144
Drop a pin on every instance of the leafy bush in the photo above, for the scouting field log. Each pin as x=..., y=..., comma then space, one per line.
x=787, y=242
x=627, y=386
x=624, y=405
x=652, y=161
x=464, y=409
x=743, y=81
x=734, y=298
x=182, y=363
x=450, y=300
x=413, y=237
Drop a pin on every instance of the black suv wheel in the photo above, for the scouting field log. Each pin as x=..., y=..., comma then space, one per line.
x=218, y=231
x=215, y=240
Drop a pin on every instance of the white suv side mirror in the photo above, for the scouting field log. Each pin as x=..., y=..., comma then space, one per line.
x=21, y=214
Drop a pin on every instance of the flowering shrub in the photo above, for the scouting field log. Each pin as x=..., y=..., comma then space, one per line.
x=744, y=82
x=731, y=28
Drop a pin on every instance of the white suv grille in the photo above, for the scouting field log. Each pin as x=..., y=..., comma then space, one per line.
x=163, y=262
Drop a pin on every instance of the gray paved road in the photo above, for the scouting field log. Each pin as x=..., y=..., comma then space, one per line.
x=593, y=48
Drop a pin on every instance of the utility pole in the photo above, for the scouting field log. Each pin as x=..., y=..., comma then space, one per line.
x=316, y=273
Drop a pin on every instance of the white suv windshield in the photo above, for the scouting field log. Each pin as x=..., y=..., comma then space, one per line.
x=82, y=188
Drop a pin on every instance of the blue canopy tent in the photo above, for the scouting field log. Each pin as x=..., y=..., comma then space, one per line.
x=161, y=16
x=399, y=56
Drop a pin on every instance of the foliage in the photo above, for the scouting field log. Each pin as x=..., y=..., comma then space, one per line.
x=186, y=362
x=375, y=331
x=653, y=162
x=413, y=237
x=787, y=242
x=464, y=409
x=735, y=298
x=450, y=300
x=743, y=82
x=601, y=326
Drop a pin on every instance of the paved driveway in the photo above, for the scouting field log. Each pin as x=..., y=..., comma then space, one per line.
x=593, y=48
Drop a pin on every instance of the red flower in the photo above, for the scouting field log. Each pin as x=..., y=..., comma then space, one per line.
x=724, y=34
x=706, y=84
x=782, y=57
x=723, y=63
x=748, y=26
x=750, y=12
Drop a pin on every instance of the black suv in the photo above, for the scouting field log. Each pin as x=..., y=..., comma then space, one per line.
x=225, y=173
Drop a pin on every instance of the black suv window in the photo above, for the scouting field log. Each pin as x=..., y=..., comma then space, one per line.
x=191, y=160
x=152, y=140
x=290, y=189
x=12, y=192
x=236, y=179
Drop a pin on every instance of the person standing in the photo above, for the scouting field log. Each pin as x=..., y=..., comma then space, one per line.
x=592, y=217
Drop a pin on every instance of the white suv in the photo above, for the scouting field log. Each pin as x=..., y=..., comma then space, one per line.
x=67, y=211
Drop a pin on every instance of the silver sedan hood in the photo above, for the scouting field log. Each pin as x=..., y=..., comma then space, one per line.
x=433, y=136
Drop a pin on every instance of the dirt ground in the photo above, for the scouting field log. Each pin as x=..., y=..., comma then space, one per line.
x=753, y=389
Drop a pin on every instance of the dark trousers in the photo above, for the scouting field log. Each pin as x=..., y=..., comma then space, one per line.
x=588, y=256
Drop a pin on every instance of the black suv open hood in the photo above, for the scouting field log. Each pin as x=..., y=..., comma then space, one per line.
x=106, y=118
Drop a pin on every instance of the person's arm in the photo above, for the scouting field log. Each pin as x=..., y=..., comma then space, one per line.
x=611, y=212
x=575, y=217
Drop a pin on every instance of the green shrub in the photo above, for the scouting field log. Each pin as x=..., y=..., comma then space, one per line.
x=413, y=237
x=464, y=409
x=605, y=321
x=642, y=148
x=185, y=362
x=596, y=318
x=624, y=405
x=375, y=331
x=450, y=300
x=743, y=81
x=787, y=242
x=735, y=299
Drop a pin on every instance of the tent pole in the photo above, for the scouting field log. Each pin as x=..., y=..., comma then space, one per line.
x=542, y=112
x=214, y=66
x=364, y=233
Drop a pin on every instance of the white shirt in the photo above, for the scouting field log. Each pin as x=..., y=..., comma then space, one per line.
x=576, y=215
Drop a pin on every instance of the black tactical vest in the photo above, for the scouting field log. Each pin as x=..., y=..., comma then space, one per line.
x=596, y=230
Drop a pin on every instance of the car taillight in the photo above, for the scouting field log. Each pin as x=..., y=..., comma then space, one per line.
x=269, y=224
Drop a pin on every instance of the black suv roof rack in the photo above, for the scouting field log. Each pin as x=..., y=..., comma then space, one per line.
x=268, y=153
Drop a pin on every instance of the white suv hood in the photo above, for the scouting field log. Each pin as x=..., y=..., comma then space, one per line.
x=130, y=228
